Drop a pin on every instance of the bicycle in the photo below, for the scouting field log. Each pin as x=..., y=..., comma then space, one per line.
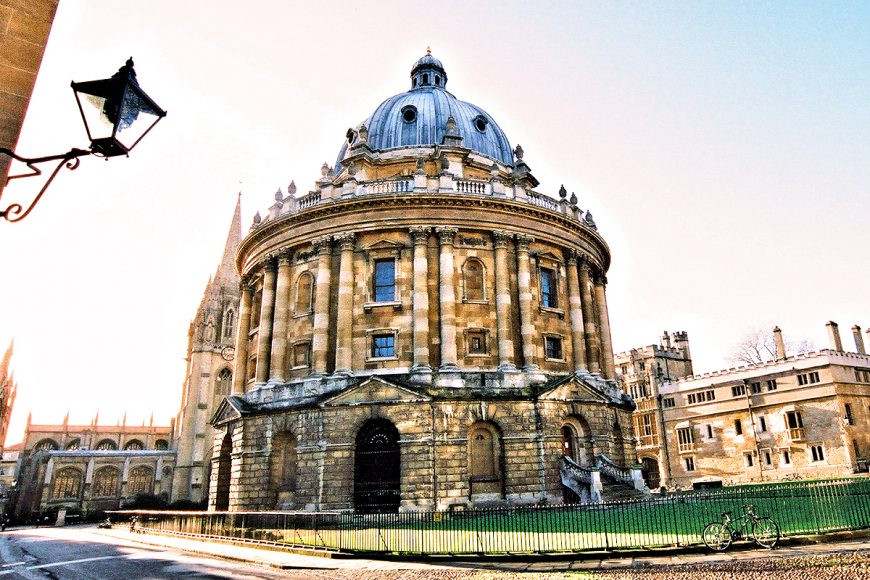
x=719, y=535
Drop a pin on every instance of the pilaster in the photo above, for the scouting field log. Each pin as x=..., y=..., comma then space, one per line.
x=524, y=284
x=320, y=335
x=447, y=296
x=267, y=313
x=278, y=364
x=592, y=342
x=420, y=298
x=344, y=319
x=575, y=303
x=503, y=302
x=240, y=373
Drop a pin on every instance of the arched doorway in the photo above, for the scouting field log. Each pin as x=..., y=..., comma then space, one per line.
x=651, y=472
x=222, y=489
x=569, y=442
x=376, y=468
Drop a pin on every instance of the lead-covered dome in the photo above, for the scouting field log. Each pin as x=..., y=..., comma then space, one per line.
x=419, y=118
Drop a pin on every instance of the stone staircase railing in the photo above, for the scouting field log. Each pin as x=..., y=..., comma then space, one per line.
x=583, y=481
x=632, y=476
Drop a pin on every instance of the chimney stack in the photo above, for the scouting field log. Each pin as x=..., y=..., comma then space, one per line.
x=859, y=340
x=834, y=334
x=666, y=340
x=780, y=343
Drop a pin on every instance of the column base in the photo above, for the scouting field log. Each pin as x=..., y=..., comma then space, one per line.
x=448, y=368
x=531, y=368
x=508, y=368
x=420, y=369
x=341, y=373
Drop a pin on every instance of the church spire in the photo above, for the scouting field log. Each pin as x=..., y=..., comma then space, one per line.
x=226, y=270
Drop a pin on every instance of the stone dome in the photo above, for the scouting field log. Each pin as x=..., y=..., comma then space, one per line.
x=419, y=118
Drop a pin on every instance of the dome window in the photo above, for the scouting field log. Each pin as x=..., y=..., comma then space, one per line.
x=437, y=81
x=409, y=114
x=480, y=123
x=425, y=79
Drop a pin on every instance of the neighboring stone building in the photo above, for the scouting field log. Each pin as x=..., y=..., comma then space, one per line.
x=642, y=371
x=91, y=467
x=421, y=329
x=804, y=416
x=209, y=371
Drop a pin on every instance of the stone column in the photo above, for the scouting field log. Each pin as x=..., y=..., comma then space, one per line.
x=575, y=304
x=321, y=306
x=420, y=298
x=278, y=364
x=604, y=327
x=267, y=313
x=447, y=293
x=344, y=320
x=592, y=343
x=503, y=302
x=240, y=374
x=524, y=282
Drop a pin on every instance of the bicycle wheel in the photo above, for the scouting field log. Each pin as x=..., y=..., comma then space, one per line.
x=716, y=536
x=765, y=532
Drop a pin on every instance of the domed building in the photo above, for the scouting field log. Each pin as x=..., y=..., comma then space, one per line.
x=422, y=330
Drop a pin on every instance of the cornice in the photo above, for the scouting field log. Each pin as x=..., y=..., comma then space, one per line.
x=332, y=209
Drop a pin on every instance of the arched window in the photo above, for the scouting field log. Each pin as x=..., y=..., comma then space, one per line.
x=46, y=445
x=106, y=445
x=161, y=445
x=73, y=445
x=222, y=383
x=484, y=448
x=229, y=324
x=472, y=280
x=304, y=293
x=283, y=465
x=106, y=481
x=67, y=483
x=140, y=480
x=134, y=445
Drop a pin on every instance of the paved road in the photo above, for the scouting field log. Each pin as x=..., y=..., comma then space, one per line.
x=77, y=553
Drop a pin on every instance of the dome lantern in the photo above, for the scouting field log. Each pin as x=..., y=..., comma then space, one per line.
x=428, y=72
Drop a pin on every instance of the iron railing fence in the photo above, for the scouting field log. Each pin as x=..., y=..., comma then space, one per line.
x=800, y=507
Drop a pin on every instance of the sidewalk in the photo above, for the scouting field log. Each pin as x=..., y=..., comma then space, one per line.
x=794, y=548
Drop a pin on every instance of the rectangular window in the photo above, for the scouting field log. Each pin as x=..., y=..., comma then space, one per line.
x=786, y=458
x=476, y=342
x=795, y=425
x=755, y=388
x=668, y=403
x=849, y=419
x=690, y=463
x=771, y=385
x=685, y=439
x=383, y=345
x=738, y=390
x=549, y=294
x=748, y=460
x=385, y=280
x=762, y=424
x=709, y=431
x=817, y=452
x=767, y=458
x=738, y=427
x=553, y=347
x=692, y=398
x=814, y=377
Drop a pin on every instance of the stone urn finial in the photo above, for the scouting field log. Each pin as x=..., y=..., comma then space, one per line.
x=278, y=195
x=573, y=199
x=519, y=152
x=291, y=189
x=324, y=169
x=451, y=125
x=257, y=218
x=563, y=192
x=363, y=134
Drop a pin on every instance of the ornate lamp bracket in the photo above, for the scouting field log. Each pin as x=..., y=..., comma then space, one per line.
x=16, y=212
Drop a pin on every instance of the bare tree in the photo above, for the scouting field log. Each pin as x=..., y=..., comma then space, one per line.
x=757, y=346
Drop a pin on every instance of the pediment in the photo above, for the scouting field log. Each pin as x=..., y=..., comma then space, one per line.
x=374, y=391
x=228, y=410
x=575, y=389
x=384, y=245
x=550, y=256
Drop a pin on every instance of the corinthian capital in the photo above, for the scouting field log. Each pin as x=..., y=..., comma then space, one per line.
x=446, y=234
x=501, y=238
x=322, y=245
x=524, y=241
x=345, y=241
x=420, y=234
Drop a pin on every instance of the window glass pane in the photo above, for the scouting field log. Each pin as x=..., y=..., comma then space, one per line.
x=385, y=280
x=548, y=288
x=383, y=345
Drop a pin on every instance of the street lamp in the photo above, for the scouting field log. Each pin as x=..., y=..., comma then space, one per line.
x=117, y=114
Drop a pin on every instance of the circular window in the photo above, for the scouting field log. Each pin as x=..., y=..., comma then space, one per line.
x=409, y=114
x=480, y=123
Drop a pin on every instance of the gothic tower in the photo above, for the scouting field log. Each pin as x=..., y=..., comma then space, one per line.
x=209, y=371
